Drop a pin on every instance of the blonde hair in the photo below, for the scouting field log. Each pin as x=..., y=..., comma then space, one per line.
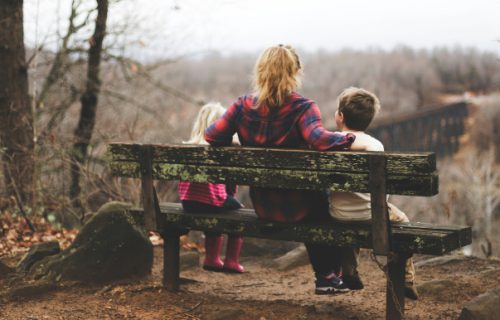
x=206, y=116
x=359, y=107
x=276, y=75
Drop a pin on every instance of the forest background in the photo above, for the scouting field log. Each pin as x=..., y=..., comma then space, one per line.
x=152, y=97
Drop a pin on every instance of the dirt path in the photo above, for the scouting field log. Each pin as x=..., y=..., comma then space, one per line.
x=261, y=293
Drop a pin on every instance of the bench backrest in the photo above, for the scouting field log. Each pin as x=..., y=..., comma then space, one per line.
x=406, y=173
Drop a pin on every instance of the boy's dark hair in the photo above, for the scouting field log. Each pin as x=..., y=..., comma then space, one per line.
x=359, y=107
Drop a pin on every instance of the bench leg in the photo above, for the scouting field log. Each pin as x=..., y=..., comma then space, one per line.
x=395, y=286
x=171, y=261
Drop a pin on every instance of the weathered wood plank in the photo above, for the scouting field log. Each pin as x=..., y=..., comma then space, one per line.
x=148, y=190
x=395, y=298
x=171, y=261
x=381, y=227
x=435, y=240
x=422, y=185
x=397, y=163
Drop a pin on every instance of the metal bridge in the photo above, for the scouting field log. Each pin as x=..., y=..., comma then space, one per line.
x=437, y=130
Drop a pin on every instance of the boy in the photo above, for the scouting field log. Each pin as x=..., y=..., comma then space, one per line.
x=355, y=111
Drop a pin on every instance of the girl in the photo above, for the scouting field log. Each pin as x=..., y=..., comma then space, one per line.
x=212, y=198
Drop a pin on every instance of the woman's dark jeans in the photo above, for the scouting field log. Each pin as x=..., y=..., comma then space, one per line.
x=324, y=259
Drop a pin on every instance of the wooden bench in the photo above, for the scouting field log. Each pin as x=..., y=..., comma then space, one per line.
x=378, y=173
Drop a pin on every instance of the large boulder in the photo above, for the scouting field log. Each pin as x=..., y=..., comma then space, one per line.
x=293, y=259
x=110, y=246
x=482, y=307
x=255, y=247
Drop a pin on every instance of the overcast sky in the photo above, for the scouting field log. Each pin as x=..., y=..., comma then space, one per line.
x=248, y=26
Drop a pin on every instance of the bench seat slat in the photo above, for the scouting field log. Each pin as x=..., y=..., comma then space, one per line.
x=422, y=185
x=397, y=163
x=434, y=240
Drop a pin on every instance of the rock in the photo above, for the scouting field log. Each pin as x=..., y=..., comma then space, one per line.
x=226, y=314
x=437, y=289
x=189, y=259
x=36, y=253
x=110, y=246
x=259, y=247
x=295, y=258
x=439, y=261
x=483, y=307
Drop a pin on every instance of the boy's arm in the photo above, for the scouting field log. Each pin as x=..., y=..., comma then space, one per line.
x=365, y=142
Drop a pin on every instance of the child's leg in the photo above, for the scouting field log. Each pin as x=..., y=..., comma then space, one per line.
x=234, y=242
x=213, y=247
x=199, y=207
x=410, y=271
x=350, y=262
x=231, y=262
x=231, y=203
x=397, y=215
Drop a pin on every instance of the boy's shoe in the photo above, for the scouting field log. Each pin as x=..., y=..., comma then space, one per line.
x=411, y=291
x=331, y=284
x=352, y=282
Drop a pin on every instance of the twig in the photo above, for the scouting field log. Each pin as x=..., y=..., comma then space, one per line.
x=258, y=284
x=20, y=206
x=186, y=312
x=194, y=307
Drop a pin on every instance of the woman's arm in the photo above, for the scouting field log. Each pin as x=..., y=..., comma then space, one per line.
x=317, y=137
x=221, y=132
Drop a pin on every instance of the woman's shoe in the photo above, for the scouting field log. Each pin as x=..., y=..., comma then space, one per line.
x=231, y=263
x=213, y=247
x=331, y=284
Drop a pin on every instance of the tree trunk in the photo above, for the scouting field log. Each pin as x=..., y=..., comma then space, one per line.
x=16, y=128
x=83, y=132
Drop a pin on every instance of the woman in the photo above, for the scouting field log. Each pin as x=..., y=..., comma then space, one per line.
x=277, y=116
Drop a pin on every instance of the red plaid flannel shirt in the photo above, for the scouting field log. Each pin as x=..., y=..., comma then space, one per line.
x=296, y=124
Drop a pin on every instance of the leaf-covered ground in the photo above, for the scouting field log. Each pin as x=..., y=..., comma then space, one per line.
x=16, y=236
x=261, y=293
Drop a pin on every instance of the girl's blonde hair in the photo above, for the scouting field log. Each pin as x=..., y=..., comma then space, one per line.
x=206, y=116
x=276, y=75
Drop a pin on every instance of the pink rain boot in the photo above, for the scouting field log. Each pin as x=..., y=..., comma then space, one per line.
x=231, y=263
x=213, y=246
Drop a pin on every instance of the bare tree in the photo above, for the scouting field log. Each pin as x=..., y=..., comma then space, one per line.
x=16, y=130
x=83, y=132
